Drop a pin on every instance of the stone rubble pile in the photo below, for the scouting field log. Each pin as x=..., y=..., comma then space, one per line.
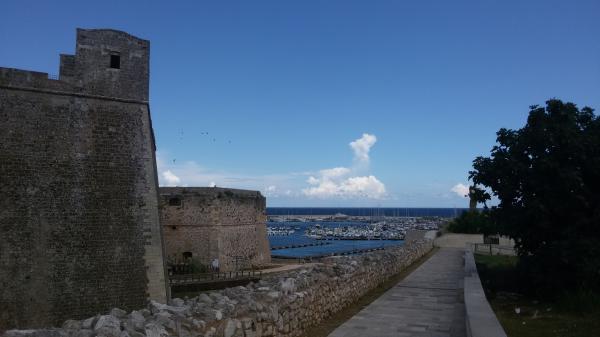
x=279, y=305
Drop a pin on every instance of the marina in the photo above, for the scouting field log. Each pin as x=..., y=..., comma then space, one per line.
x=301, y=236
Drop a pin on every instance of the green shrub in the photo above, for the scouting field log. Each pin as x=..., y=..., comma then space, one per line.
x=472, y=222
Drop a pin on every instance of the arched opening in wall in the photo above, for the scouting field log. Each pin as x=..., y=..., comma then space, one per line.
x=175, y=201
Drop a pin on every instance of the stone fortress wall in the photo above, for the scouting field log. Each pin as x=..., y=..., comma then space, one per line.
x=207, y=223
x=79, y=217
x=79, y=222
x=284, y=305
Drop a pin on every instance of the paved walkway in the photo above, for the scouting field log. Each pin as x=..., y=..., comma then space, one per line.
x=428, y=302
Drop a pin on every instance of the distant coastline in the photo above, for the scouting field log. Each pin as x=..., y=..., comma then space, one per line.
x=368, y=211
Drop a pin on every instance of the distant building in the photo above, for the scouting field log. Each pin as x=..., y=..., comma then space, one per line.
x=339, y=217
x=215, y=225
x=79, y=223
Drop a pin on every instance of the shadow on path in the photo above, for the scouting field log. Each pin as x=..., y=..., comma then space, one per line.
x=428, y=302
x=323, y=329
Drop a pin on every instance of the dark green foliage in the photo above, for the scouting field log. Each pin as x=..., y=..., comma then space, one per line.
x=473, y=222
x=197, y=267
x=498, y=274
x=547, y=179
x=571, y=313
x=478, y=195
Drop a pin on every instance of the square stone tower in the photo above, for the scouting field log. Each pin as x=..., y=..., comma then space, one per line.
x=79, y=222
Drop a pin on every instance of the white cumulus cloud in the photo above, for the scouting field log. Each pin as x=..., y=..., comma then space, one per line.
x=312, y=180
x=335, y=172
x=344, y=182
x=190, y=173
x=351, y=187
x=362, y=146
x=270, y=191
x=170, y=178
x=367, y=186
x=327, y=175
x=461, y=190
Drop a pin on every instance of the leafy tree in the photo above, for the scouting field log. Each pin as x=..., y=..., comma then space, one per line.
x=478, y=195
x=473, y=222
x=546, y=177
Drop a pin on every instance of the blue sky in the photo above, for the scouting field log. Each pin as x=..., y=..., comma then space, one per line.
x=282, y=88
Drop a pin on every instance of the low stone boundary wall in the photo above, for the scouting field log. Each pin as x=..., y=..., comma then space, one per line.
x=479, y=316
x=455, y=240
x=284, y=305
x=417, y=234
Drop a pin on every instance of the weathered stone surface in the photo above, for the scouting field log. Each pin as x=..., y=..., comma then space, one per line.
x=120, y=313
x=89, y=323
x=108, y=325
x=72, y=325
x=137, y=320
x=205, y=298
x=279, y=305
x=177, y=302
x=83, y=333
x=288, y=286
x=36, y=333
x=79, y=227
x=208, y=223
x=155, y=330
x=230, y=327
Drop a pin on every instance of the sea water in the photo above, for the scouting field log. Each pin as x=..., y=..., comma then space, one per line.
x=330, y=246
x=340, y=246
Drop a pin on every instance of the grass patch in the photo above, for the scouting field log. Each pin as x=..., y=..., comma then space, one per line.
x=572, y=314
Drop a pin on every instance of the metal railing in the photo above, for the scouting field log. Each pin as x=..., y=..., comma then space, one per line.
x=493, y=249
x=214, y=277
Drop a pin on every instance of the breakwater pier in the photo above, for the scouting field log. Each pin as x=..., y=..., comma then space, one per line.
x=301, y=245
x=325, y=255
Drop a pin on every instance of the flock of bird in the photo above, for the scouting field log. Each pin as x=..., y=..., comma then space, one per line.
x=205, y=133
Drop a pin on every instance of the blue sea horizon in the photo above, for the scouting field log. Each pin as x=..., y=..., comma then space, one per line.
x=369, y=211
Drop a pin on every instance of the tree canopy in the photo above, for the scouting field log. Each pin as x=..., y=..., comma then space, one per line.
x=546, y=177
x=473, y=222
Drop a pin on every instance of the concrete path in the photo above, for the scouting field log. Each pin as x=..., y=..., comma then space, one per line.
x=428, y=302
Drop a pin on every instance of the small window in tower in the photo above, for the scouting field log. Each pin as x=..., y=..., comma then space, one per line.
x=175, y=202
x=115, y=61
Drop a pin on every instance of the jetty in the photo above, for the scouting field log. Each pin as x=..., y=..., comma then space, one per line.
x=301, y=245
x=319, y=256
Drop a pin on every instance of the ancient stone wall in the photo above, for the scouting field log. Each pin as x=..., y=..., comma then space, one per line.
x=215, y=223
x=284, y=305
x=79, y=224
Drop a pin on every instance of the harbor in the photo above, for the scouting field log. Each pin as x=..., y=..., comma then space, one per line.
x=310, y=236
